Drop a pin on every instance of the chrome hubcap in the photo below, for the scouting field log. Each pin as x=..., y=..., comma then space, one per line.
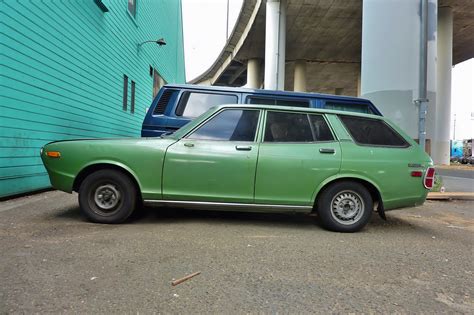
x=106, y=197
x=347, y=207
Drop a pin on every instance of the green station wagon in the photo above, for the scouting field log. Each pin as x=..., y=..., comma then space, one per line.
x=340, y=165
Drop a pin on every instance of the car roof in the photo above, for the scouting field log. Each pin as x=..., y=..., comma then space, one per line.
x=266, y=92
x=185, y=129
x=297, y=109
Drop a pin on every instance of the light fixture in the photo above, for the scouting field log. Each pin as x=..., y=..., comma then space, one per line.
x=160, y=42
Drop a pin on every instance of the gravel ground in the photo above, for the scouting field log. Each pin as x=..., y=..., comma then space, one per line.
x=52, y=261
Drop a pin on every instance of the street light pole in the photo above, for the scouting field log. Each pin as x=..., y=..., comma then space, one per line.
x=422, y=100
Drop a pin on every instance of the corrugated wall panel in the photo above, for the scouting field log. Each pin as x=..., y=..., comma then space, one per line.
x=62, y=66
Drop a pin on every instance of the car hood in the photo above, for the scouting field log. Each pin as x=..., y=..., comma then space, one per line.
x=106, y=148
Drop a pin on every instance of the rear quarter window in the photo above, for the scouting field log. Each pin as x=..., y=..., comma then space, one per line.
x=373, y=132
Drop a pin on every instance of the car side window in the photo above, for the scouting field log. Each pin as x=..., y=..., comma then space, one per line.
x=193, y=104
x=320, y=128
x=376, y=132
x=287, y=127
x=229, y=125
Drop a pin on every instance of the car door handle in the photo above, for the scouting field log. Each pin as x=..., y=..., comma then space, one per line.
x=327, y=150
x=189, y=144
x=243, y=147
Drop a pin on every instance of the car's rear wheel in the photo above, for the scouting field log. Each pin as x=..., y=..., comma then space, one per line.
x=345, y=207
x=107, y=196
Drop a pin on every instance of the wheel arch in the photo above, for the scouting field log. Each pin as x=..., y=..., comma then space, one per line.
x=94, y=167
x=373, y=189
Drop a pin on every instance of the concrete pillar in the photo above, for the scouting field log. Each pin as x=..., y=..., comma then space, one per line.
x=300, y=76
x=358, y=84
x=441, y=152
x=253, y=73
x=390, y=61
x=275, y=41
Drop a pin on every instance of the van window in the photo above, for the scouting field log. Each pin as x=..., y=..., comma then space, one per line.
x=281, y=102
x=193, y=104
x=229, y=125
x=374, y=132
x=163, y=102
x=349, y=107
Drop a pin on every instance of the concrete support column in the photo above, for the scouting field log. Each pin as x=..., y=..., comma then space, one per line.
x=358, y=84
x=253, y=73
x=275, y=41
x=390, y=61
x=300, y=76
x=441, y=154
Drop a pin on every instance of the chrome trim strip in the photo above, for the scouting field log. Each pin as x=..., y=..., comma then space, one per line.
x=231, y=205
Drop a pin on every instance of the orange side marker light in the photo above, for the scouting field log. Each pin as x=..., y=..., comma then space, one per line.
x=53, y=154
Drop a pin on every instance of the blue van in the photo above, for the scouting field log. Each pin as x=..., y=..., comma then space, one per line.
x=176, y=105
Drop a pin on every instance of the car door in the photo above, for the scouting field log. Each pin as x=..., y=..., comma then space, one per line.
x=298, y=152
x=216, y=161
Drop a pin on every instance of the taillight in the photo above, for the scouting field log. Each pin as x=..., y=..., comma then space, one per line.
x=429, y=178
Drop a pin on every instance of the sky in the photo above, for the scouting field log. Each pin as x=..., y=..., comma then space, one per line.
x=462, y=100
x=204, y=23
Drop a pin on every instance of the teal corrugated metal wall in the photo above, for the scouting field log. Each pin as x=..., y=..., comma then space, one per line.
x=61, y=75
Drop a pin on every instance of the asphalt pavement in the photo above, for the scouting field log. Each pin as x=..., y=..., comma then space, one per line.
x=457, y=180
x=453, y=172
x=53, y=261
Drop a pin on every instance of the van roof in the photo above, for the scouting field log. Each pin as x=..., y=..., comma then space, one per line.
x=265, y=92
x=298, y=109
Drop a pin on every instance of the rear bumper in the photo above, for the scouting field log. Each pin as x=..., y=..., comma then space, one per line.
x=405, y=202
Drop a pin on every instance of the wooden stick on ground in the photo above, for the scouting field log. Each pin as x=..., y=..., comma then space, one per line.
x=178, y=281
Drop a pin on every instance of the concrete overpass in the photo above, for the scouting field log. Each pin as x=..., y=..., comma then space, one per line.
x=326, y=46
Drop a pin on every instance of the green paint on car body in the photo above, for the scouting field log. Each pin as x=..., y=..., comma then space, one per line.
x=179, y=168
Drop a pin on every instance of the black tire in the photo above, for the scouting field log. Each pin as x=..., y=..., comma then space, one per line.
x=344, y=207
x=107, y=196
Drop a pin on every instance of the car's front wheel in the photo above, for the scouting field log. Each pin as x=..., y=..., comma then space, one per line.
x=107, y=196
x=345, y=207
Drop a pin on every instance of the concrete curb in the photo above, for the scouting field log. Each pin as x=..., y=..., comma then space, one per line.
x=450, y=196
